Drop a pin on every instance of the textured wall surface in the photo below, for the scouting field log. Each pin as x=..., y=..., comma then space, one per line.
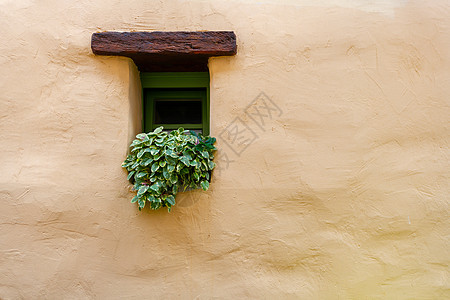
x=343, y=192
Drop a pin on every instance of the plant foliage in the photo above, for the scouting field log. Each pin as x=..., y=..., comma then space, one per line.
x=160, y=164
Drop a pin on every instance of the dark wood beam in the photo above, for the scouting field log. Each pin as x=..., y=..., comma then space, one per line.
x=166, y=51
x=210, y=43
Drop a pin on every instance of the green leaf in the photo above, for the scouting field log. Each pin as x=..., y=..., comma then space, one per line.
x=185, y=160
x=193, y=133
x=205, y=154
x=136, y=148
x=166, y=174
x=135, y=143
x=208, y=146
x=175, y=189
x=211, y=140
x=194, y=163
x=158, y=156
x=130, y=174
x=170, y=153
x=141, y=136
x=141, y=174
x=173, y=178
x=135, y=199
x=158, y=130
x=126, y=164
x=154, y=151
x=170, y=168
x=155, y=187
x=141, y=203
x=211, y=165
x=196, y=176
x=205, y=185
x=171, y=160
x=142, y=152
x=148, y=161
x=149, y=142
x=142, y=190
x=171, y=200
x=188, y=155
x=162, y=163
x=155, y=167
x=135, y=165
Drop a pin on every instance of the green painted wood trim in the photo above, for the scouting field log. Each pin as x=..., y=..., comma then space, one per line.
x=175, y=80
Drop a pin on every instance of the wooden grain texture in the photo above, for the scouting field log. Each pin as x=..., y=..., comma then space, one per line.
x=210, y=43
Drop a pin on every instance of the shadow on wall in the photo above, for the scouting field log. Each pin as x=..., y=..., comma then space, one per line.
x=135, y=102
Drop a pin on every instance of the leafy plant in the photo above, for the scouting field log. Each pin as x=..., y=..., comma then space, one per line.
x=161, y=163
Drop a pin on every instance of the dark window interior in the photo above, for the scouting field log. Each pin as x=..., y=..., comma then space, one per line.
x=178, y=111
x=176, y=107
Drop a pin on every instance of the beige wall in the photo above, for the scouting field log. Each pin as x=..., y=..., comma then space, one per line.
x=343, y=195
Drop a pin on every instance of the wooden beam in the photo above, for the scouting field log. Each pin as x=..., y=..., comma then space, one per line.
x=207, y=43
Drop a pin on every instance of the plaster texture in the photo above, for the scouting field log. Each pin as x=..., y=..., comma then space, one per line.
x=342, y=194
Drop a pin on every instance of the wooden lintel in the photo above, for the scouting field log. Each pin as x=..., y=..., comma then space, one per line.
x=205, y=43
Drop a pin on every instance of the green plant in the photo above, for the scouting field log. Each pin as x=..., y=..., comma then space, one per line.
x=161, y=163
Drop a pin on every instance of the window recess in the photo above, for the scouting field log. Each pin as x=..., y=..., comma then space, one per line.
x=174, y=72
x=176, y=99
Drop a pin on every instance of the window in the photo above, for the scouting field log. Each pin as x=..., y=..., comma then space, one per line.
x=176, y=99
x=174, y=72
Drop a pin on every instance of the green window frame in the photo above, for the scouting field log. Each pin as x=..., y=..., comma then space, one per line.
x=175, y=86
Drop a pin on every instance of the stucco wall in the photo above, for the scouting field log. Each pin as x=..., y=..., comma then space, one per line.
x=343, y=194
